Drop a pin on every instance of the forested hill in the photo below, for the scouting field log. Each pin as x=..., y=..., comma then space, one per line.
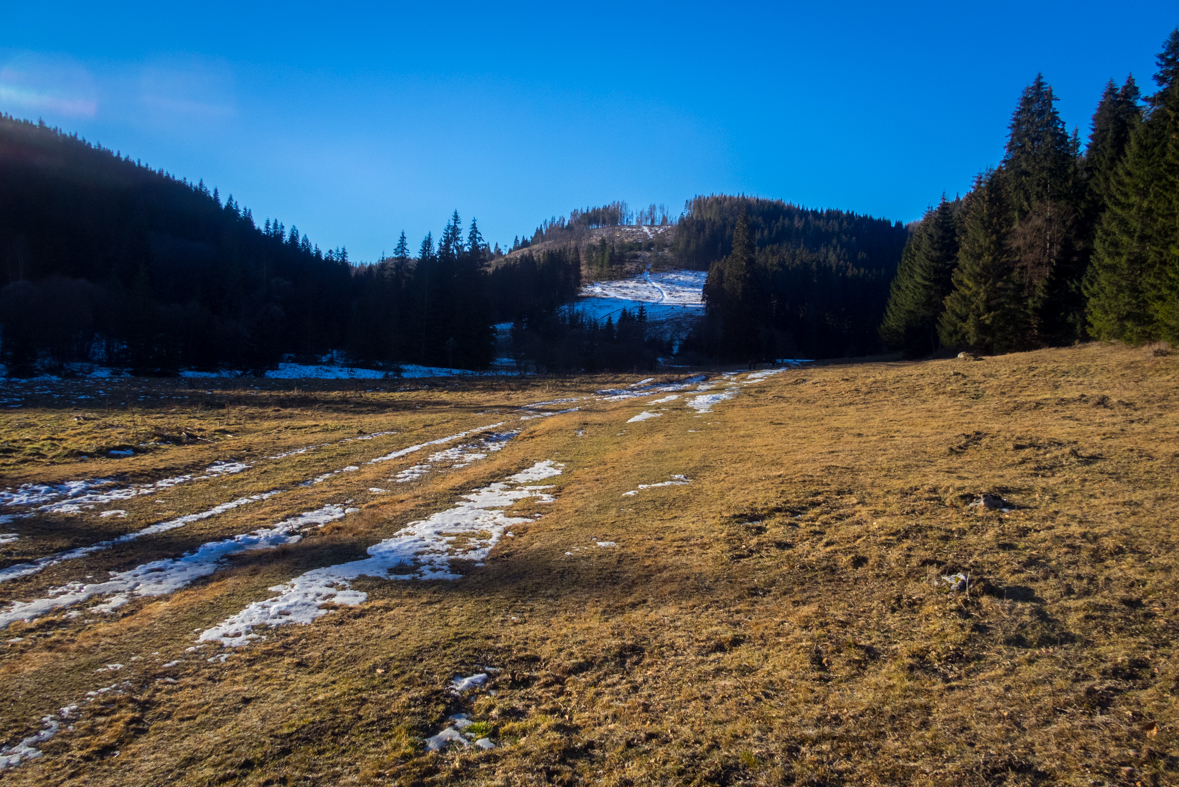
x=788, y=281
x=98, y=249
x=704, y=234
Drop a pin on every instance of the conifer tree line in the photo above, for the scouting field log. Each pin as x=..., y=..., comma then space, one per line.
x=1055, y=245
x=103, y=259
x=785, y=281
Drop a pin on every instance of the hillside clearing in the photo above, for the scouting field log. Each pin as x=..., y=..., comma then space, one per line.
x=780, y=579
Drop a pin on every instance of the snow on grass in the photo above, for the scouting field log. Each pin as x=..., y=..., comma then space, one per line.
x=665, y=399
x=412, y=474
x=439, y=441
x=455, y=732
x=757, y=377
x=161, y=577
x=535, y=405
x=703, y=403
x=308, y=448
x=459, y=685
x=421, y=550
x=115, y=512
x=448, y=735
x=646, y=415
x=458, y=457
x=549, y=415
x=622, y=394
x=72, y=497
x=28, y=569
x=8, y=538
x=676, y=480
x=11, y=756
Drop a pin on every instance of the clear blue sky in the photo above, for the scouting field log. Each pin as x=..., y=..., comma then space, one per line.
x=355, y=121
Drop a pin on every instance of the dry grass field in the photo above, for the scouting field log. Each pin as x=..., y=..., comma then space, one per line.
x=767, y=607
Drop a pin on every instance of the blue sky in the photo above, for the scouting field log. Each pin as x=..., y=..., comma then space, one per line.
x=358, y=121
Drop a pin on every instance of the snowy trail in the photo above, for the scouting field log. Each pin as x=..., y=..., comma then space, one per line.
x=662, y=294
x=28, y=569
x=468, y=531
x=161, y=577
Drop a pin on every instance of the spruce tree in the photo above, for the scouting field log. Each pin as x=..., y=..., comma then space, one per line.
x=731, y=295
x=1042, y=188
x=1131, y=286
x=1038, y=157
x=985, y=310
x=1116, y=116
x=922, y=282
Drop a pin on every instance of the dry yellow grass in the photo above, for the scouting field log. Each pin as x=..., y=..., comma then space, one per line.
x=780, y=620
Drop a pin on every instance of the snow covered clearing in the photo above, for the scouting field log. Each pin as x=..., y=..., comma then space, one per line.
x=646, y=415
x=28, y=569
x=676, y=480
x=161, y=577
x=680, y=288
x=422, y=550
x=329, y=371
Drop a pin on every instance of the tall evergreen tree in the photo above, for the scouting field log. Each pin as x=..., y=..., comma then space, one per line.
x=401, y=250
x=1042, y=188
x=1132, y=285
x=1039, y=157
x=985, y=310
x=918, y=293
x=731, y=294
x=1116, y=117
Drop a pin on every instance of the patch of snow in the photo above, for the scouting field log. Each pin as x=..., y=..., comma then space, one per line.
x=438, y=742
x=115, y=512
x=8, y=538
x=535, y=405
x=666, y=399
x=72, y=497
x=11, y=756
x=161, y=577
x=646, y=415
x=703, y=403
x=412, y=474
x=459, y=685
x=27, y=569
x=676, y=480
x=421, y=550
x=548, y=415
x=121, y=453
x=439, y=441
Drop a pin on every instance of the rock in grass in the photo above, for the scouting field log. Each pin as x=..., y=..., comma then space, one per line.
x=992, y=503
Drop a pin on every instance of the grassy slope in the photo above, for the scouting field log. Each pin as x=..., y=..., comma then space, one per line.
x=779, y=620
